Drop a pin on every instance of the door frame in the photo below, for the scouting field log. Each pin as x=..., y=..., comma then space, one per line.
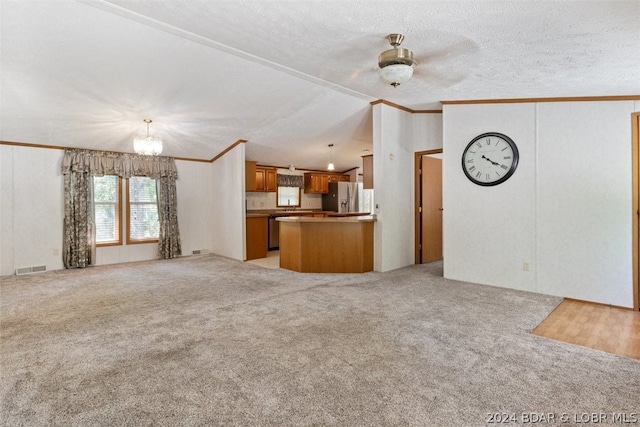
x=418, y=201
x=635, y=214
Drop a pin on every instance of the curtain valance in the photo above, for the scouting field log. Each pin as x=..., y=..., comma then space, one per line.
x=290, y=181
x=98, y=163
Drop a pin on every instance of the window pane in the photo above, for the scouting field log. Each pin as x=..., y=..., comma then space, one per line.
x=105, y=188
x=142, y=189
x=288, y=196
x=143, y=209
x=106, y=208
x=106, y=224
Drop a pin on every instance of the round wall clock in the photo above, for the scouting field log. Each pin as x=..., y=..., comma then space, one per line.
x=490, y=159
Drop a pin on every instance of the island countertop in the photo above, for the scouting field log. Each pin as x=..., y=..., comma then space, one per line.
x=327, y=245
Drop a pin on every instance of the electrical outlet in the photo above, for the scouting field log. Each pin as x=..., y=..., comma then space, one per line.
x=56, y=251
x=525, y=266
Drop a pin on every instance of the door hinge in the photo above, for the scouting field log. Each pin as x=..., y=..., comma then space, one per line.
x=420, y=246
x=420, y=209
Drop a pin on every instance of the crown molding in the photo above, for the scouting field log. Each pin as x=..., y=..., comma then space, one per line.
x=554, y=99
x=403, y=108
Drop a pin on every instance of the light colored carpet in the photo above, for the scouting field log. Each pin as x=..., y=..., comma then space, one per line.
x=205, y=340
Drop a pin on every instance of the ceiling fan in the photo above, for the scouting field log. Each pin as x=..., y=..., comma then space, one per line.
x=396, y=64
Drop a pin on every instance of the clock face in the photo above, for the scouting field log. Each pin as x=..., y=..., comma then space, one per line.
x=490, y=159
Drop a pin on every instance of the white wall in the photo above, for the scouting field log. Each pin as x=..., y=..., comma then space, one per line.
x=31, y=208
x=227, y=213
x=427, y=131
x=397, y=135
x=584, y=201
x=32, y=211
x=566, y=211
x=393, y=189
x=194, y=205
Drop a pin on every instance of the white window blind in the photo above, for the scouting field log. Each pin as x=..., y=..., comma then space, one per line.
x=143, y=209
x=106, y=199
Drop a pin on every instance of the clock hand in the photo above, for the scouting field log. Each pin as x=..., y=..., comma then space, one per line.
x=490, y=161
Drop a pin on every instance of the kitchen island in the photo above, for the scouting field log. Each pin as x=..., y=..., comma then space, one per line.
x=327, y=245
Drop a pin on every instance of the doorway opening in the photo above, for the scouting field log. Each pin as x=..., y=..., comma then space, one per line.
x=428, y=208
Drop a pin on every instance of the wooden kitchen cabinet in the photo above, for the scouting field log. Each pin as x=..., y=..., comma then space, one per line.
x=265, y=179
x=339, y=178
x=316, y=183
x=250, y=175
x=271, y=182
x=257, y=236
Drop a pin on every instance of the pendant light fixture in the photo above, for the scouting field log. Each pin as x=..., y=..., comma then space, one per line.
x=331, y=167
x=149, y=146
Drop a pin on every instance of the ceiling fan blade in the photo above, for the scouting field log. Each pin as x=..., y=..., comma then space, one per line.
x=438, y=78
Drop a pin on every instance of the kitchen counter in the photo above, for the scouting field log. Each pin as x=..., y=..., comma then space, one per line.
x=329, y=219
x=301, y=212
x=327, y=245
x=344, y=214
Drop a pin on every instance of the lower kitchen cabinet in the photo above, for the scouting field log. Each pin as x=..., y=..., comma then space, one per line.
x=257, y=236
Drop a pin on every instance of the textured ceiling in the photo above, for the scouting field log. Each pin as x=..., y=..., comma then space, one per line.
x=289, y=77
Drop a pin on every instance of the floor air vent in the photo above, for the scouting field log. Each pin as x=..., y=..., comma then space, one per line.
x=28, y=270
x=200, y=251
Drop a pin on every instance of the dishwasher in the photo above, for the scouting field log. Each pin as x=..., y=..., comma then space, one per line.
x=274, y=233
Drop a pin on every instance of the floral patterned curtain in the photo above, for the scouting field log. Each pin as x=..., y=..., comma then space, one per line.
x=79, y=166
x=169, y=235
x=98, y=163
x=290, y=181
x=79, y=246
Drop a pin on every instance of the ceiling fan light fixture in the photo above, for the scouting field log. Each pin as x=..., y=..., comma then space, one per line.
x=396, y=74
x=149, y=145
x=397, y=64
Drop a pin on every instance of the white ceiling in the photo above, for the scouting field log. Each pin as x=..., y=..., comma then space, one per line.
x=290, y=77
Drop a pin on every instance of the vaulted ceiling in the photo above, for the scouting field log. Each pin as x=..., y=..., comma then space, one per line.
x=289, y=77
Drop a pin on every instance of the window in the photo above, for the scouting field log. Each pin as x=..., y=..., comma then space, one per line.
x=288, y=196
x=106, y=199
x=142, y=210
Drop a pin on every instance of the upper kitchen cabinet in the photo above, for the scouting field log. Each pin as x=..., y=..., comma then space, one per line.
x=266, y=179
x=316, y=183
x=339, y=178
x=367, y=172
x=260, y=178
x=249, y=176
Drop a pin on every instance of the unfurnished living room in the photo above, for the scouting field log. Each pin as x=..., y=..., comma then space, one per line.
x=354, y=213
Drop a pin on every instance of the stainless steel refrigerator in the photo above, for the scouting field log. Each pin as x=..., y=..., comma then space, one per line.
x=342, y=197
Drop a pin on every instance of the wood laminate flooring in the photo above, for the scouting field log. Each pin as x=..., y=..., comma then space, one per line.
x=610, y=329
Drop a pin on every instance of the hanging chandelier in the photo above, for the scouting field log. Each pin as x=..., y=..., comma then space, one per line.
x=148, y=146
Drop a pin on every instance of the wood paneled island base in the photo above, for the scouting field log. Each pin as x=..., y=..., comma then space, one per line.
x=327, y=245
